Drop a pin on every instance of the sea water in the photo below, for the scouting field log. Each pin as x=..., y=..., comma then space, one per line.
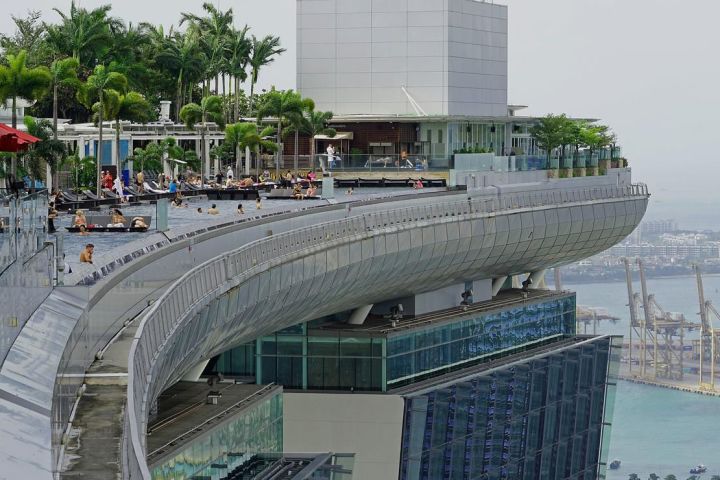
x=654, y=429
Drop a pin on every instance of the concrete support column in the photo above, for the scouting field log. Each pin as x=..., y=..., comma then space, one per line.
x=194, y=374
x=497, y=284
x=358, y=316
x=48, y=178
x=206, y=159
x=538, y=279
x=114, y=149
x=81, y=147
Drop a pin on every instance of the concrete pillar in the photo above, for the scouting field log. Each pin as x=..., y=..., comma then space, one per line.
x=497, y=284
x=206, y=158
x=358, y=316
x=194, y=374
x=81, y=147
x=48, y=178
x=247, y=160
x=114, y=148
x=538, y=279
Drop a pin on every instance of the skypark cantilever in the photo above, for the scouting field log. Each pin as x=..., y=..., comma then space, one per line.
x=334, y=258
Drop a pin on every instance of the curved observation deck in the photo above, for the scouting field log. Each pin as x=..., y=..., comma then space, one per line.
x=214, y=287
x=266, y=285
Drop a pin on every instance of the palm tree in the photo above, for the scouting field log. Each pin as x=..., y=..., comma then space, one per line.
x=263, y=53
x=214, y=32
x=63, y=73
x=282, y=105
x=182, y=57
x=82, y=34
x=239, y=56
x=210, y=108
x=176, y=152
x=233, y=138
x=48, y=150
x=312, y=123
x=129, y=106
x=98, y=86
x=253, y=138
x=18, y=81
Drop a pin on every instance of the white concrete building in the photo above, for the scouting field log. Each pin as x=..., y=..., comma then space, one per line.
x=434, y=57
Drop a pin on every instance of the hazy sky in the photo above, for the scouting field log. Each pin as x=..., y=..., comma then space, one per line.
x=648, y=68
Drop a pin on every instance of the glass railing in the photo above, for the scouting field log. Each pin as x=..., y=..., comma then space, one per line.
x=23, y=226
x=25, y=268
x=380, y=162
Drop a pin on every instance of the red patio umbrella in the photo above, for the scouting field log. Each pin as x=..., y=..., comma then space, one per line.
x=13, y=140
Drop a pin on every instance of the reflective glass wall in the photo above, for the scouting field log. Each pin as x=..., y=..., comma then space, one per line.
x=256, y=430
x=541, y=418
x=421, y=353
x=303, y=357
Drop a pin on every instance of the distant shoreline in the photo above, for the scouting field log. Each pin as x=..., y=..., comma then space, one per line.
x=620, y=277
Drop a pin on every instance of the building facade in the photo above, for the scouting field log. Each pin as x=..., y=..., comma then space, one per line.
x=500, y=389
x=435, y=57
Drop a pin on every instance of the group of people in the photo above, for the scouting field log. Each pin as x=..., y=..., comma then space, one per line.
x=214, y=210
x=117, y=219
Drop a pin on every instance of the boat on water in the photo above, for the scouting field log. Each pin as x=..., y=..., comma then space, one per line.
x=615, y=464
x=699, y=469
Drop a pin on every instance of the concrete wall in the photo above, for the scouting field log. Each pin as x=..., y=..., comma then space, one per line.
x=355, y=55
x=368, y=425
x=479, y=180
x=477, y=58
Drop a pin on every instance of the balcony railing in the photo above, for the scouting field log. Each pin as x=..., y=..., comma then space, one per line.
x=147, y=371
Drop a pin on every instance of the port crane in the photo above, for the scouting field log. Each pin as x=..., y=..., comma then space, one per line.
x=661, y=334
x=708, y=335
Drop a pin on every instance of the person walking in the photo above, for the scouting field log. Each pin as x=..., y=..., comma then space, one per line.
x=331, y=156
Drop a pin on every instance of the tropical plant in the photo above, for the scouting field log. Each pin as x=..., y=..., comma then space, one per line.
x=30, y=36
x=182, y=57
x=262, y=53
x=82, y=171
x=209, y=109
x=252, y=137
x=596, y=137
x=118, y=106
x=85, y=35
x=312, y=123
x=633, y=476
x=63, y=72
x=239, y=49
x=550, y=132
x=100, y=86
x=654, y=476
x=19, y=81
x=214, y=32
x=283, y=106
x=48, y=150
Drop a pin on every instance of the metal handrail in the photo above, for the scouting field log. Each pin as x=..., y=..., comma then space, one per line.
x=184, y=298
